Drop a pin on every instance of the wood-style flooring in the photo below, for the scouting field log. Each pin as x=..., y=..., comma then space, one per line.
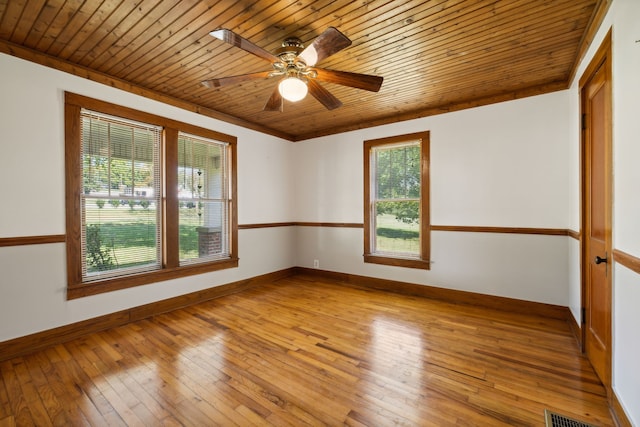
x=309, y=351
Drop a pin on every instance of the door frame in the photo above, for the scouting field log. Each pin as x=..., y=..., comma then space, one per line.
x=602, y=58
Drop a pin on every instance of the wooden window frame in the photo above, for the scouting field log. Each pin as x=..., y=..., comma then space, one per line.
x=423, y=261
x=171, y=269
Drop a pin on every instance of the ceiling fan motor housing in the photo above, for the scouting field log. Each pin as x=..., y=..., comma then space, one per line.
x=291, y=64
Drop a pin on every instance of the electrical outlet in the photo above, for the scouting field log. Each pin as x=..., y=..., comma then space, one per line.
x=316, y=263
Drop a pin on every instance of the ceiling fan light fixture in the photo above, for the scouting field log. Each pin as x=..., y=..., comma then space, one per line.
x=293, y=89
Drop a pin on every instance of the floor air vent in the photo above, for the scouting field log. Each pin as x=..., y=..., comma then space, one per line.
x=555, y=420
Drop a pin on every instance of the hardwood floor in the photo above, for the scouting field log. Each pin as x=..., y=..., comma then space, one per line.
x=308, y=351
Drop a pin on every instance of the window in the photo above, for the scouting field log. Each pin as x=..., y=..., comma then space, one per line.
x=203, y=199
x=148, y=198
x=396, y=193
x=120, y=197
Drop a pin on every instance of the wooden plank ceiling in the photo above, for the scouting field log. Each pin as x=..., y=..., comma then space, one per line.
x=435, y=56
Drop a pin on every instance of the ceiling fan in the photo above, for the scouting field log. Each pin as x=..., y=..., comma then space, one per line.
x=295, y=64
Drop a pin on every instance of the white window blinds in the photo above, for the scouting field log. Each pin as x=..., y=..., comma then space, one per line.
x=203, y=199
x=120, y=198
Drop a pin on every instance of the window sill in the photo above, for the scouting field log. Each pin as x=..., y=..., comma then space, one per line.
x=80, y=290
x=398, y=262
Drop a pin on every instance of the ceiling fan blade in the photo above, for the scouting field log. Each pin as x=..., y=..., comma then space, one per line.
x=275, y=102
x=325, y=45
x=324, y=96
x=230, y=37
x=225, y=81
x=359, y=81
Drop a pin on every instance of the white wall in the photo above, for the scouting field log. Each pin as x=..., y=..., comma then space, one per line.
x=33, y=278
x=623, y=19
x=500, y=165
x=626, y=217
x=626, y=346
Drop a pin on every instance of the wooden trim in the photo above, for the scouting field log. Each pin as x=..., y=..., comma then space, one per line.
x=117, y=283
x=73, y=186
x=617, y=411
x=575, y=328
x=233, y=199
x=32, y=240
x=87, y=73
x=301, y=224
x=629, y=261
x=61, y=238
x=171, y=235
x=602, y=55
x=366, y=162
x=330, y=224
x=425, y=200
x=266, y=225
x=442, y=294
x=30, y=343
x=508, y=230
x=398, y=262
x=574, y=234
x=599, y=12
x=463, y=228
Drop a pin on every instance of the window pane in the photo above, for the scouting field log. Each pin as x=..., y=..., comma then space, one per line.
x=396, y=214
x=397, y=172
x=120, y=236
x=197, y=239
x=203, y=199
x=397, y=228
x=120, y=196
x=96, y=156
